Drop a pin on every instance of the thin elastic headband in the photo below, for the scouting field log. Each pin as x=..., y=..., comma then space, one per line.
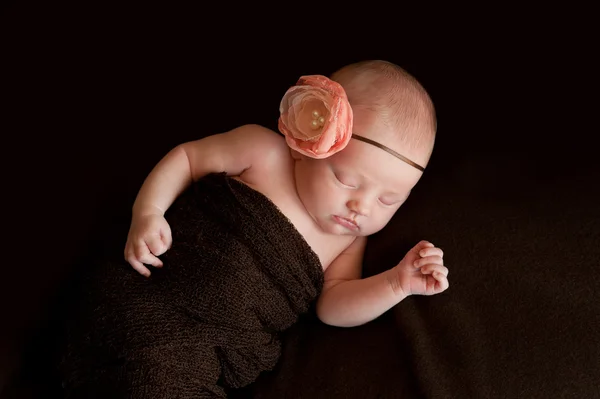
x=394, y=153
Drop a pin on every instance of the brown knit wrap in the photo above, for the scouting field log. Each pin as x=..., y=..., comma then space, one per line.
x=238, y=274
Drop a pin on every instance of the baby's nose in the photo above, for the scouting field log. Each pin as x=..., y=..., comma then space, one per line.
x=359, y=207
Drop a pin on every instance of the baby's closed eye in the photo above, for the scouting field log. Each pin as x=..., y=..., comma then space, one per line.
x=345, y=180
x=393, y=198
x=389, y=201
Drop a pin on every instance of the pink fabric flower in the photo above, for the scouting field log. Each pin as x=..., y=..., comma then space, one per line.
x=316, y=117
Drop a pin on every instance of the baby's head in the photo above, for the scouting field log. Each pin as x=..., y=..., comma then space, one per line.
x=357, y=190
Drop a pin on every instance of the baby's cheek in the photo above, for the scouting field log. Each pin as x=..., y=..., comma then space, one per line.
x=377, y=222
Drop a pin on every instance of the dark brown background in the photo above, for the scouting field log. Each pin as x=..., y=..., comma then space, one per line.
x=95, y=95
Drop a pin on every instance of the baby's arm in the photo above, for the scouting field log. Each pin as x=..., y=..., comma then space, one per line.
x=233, y=152
x=347, y=300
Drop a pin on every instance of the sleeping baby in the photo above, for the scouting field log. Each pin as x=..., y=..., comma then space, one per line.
x=247, y=229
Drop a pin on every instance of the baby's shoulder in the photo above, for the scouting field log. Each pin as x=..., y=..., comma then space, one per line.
x=269, y=151
x=257, y=135
x=271, y=145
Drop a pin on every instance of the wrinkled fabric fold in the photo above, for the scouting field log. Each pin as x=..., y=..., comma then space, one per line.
x=237, y=275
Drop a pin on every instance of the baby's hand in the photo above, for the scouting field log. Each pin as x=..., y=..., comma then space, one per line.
x=422, y=271
x=149, y=236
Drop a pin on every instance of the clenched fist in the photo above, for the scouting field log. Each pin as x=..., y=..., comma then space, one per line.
x=149, y=236
x=421, y=272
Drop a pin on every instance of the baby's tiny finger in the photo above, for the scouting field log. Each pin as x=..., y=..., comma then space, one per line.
x=431, y=251
x=429, y=260
x=139, y=267
x=168, y=241
x=166, y=237
x=420, y=246
x=442, y=280
x=150, y=259
x=156, y=245
x=442, y=269
x=433, y=268
x=142, y=254
x=426, y=244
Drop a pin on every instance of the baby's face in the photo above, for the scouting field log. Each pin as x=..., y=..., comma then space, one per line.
x=356, y=191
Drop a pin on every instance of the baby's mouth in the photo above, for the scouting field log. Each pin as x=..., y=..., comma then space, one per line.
x=346, y=222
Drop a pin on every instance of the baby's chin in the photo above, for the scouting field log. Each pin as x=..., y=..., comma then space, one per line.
x=328, y=228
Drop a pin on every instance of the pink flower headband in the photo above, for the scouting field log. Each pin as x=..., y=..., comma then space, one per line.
x=316, y=119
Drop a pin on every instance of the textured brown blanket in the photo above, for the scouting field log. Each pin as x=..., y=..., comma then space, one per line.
x=521, y=319
x=237, y=275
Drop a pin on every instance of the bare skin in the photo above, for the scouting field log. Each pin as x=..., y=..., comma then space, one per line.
x=335, y=204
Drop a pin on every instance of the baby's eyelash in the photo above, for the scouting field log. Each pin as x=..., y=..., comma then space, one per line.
x=341, y=182
x=388, y=203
